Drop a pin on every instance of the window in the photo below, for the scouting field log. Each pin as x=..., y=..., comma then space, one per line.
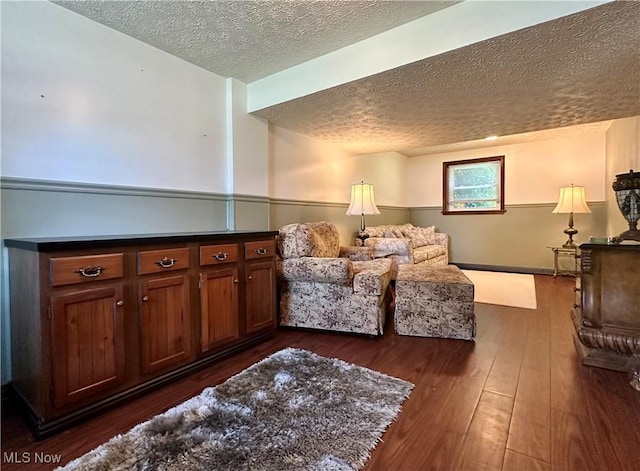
x=473, y=186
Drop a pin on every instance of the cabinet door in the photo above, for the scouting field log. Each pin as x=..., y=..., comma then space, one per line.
x=260, y=296
x=164, y=322
x=87, y=338
x=218, y=307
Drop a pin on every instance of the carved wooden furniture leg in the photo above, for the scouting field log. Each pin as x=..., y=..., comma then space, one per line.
x=634, y=371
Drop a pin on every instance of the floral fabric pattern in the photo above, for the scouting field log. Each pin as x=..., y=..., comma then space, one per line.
x=434, y=302
x=324, y=291
x=425, y=246
x=416, y=235
x=372, y=277
x=429, y=252
x=312, y=239
x=357, y=254
x=332, y=307
x=327, y=270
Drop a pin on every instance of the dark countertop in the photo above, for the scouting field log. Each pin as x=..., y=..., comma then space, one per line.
x=625, y=245
x=49, y=244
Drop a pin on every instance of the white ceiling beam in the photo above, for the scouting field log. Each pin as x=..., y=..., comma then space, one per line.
x=463, y=24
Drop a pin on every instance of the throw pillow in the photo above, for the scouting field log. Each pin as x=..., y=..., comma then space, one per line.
x=389, y=235
x=416, y=235
x=429, y=233
x=396, y=231
x=406, y=228
x=376, y=231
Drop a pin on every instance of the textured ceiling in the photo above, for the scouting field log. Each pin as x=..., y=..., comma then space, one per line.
x=583, y=68
x=577, y=69
x=249, y=40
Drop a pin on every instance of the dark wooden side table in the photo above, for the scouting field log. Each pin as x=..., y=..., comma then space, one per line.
x=564, y=251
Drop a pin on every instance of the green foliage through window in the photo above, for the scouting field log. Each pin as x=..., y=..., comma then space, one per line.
x=474, y=185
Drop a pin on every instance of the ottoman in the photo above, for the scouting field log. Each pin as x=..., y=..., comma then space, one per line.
x=434, y=301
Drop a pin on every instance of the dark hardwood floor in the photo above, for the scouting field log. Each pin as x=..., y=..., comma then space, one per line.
x=516, y=399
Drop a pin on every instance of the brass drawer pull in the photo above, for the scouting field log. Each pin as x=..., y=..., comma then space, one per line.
x=221, y=256
x=166, y=262
x=89, y=272
x=261, y=251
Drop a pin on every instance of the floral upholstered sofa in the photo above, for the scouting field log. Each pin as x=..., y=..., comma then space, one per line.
x=324, y=286
x=408, y=244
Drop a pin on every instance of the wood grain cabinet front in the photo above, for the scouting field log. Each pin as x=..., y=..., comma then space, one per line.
x=165, y=322
x=87, y=335
x=259, y=295
x=219, y=310
x=97, y=321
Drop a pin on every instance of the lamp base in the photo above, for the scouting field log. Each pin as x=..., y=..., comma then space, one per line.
x=362, y=236
x=570, y=231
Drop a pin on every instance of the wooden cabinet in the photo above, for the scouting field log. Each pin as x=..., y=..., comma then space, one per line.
x=606, y=313
x=260, y=298
x=223, y=318
x=260, y=285
x=165, y=322
x=87, y=334
x=97, y=321
x=219, y=312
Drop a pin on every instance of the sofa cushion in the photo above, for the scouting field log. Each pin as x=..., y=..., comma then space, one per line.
x=372, y=277
x=427, y=252
x=311, y=239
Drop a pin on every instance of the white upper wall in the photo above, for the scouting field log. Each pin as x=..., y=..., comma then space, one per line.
x=462, y=24
x=306, y=169
x=534, y=171
x=84, y=103
x=247, y=144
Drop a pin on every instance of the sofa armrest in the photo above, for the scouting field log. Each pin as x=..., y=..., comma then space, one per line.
x=372, y=277
x=321, y=270
x=357, y=254
x=442, y=239
x=383, y=247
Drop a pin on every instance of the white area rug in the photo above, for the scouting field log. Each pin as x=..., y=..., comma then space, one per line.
x=505, y=289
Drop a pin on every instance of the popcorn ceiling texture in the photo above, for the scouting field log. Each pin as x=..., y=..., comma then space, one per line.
x=584, y=68
x=249, y=40
x=579, y=69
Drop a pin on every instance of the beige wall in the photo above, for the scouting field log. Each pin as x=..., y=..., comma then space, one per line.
x=534, y=171
x=519, y=238
x=623, y=154
x=310, y=181
x=306, y=169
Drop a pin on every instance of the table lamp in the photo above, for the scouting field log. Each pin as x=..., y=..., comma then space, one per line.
x=572, y=200
x=362, y=202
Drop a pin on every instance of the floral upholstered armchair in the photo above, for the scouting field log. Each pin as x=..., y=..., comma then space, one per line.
x=324, y=286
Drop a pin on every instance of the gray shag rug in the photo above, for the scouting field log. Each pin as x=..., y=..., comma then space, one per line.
x=294, y=410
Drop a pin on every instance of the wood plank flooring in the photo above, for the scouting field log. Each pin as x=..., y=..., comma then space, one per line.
x=517, y=399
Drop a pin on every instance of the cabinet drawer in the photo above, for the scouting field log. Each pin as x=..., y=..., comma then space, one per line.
x=259, y=249
x=156, y=261
x=216, y=254
x=86, y=268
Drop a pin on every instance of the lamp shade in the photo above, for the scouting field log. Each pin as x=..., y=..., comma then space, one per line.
x=572, y=200
x=362, y=200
